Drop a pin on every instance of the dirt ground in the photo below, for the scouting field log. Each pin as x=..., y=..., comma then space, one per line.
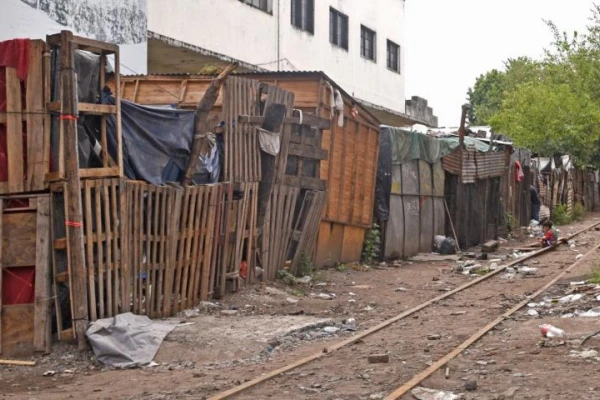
x=268, y=326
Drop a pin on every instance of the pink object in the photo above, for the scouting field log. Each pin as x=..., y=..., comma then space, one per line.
x=551, y=331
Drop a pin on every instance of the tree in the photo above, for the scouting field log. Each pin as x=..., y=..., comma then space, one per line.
x=551, y=105
x=551, y=119
x=490, y=89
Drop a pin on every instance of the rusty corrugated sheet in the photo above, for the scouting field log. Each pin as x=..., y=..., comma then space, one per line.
x=469, y=167
x=451, y=163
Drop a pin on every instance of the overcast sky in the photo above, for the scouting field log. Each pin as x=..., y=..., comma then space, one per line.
x=451, y=42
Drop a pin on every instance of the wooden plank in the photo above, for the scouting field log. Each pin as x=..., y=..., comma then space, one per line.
x=73, y=192
x=17, y=362
x=118, y=116
x=86, y=108
x=305, y=182
x=307, y=119
x=115, y=260
x=125, y=235
x=17, y=330
x=97, y=204
x=305, y=151
x=19, y=239
x=150, y=246
x=57, y=302
x=91, y=45
x=42, y=340
x=108, y=232
x=198, y=236
x=175, y=205
x=36, y=158
x=14, y=132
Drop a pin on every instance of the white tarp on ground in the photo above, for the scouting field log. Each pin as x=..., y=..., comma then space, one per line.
x=127, y=340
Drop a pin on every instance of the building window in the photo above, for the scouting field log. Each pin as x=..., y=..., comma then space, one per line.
x=338, y=28
x=303, y=15
x=393, y=56
x=264, y=5
x=368, y=43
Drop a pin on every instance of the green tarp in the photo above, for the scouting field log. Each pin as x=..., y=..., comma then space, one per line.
x=407, y=146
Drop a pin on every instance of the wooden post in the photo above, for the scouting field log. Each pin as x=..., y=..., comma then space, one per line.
x=74, y=217
x=202, y=125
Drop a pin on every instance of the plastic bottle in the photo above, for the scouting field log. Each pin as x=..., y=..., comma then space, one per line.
x=551, y=331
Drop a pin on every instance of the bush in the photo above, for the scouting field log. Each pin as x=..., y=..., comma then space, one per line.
x=560, y=215
x=372, y=245
x=305, y=267
x=578, y=212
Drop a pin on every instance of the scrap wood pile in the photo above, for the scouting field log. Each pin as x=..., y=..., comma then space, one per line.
x=141, y=228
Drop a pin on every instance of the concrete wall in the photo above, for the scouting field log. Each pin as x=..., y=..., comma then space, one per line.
x=270, y=41
x=121, y=22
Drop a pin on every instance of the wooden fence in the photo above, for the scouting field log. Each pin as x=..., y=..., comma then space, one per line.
x=157, y=250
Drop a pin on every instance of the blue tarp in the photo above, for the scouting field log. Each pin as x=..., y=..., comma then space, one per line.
x=157, y=143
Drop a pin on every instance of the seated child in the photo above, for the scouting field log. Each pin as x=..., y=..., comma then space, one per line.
x=549, y=238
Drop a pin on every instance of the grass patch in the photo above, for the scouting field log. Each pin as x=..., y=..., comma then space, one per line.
x=595, y=277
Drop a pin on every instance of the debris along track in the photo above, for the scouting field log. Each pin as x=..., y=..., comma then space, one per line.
x=435, y=328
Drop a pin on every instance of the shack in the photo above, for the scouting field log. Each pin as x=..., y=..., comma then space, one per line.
x=351, y=143
x=431, y=185
x=95, y=192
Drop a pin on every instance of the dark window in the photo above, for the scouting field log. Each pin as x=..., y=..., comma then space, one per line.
x=393, y=56
x=368, y=43
x=338, y=28
x=264, y=5
x=303, y=15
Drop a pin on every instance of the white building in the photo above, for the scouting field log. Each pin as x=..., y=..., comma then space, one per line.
x=358, y=43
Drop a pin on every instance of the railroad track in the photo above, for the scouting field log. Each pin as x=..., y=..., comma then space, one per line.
x=424, y=331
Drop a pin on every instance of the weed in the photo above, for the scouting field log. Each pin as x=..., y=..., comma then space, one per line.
x=511, y=222
x=578, y=212
x=595, y=277
x=305, y=267
x=297, y=292
x=560, y=215
x=286, y=277
x=341, y=267
x=372, y=245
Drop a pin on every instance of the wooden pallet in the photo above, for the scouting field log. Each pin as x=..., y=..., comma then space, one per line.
x=27, y=129
x=24, y=248
x=110, y=167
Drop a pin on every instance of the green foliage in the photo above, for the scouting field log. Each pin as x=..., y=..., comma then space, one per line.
x=560, y=215
x=578, y=212
x=511, y=222
x=550, y=105
x=550, y=118
x=286, y=277
x=372, y=245
x=341, y=267
x=490, y=89
x=595, y=277
x=305, y=267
